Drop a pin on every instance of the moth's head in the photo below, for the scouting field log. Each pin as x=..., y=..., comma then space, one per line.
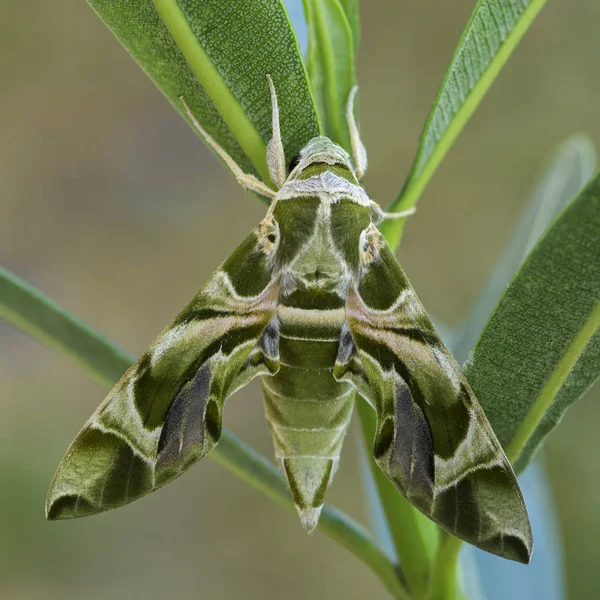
x=320, y=150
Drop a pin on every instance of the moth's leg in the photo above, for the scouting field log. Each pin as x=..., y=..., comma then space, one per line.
x=275, y=152
x=379, y=215
x=245, y=180
x=359, y=154
x=391, y=216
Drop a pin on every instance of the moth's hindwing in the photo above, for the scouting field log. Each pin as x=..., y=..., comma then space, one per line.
x=433, y=440
x=165, y=412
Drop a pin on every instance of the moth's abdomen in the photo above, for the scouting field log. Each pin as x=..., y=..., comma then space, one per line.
x=307, y=410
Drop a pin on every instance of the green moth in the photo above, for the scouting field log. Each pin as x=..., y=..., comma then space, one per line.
x=314, y=302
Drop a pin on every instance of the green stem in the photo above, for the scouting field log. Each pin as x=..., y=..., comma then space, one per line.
x=333, y=116
x=444, y=584
x=33, y=312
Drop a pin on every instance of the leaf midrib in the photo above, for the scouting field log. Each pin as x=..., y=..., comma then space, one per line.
x=215, y=86
x=553, y=385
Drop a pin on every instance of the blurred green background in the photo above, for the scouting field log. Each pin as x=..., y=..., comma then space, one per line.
x=110, y=205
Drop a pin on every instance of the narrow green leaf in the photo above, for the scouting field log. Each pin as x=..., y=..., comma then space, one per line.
x=33, y=312
x=414, y=535
x=491, y=35
x=330, y=65
x=541, y=348
x=569, y=170
x=216, y=53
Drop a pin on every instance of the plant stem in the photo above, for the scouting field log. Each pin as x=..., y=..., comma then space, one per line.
x=444, y=584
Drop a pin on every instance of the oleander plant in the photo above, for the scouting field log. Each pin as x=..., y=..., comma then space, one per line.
x=314, y=303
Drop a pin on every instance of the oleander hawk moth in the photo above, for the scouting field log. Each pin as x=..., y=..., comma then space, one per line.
x=314, y=303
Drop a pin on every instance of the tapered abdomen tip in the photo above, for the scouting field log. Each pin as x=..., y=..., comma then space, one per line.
x=309, y=517
x=308, y=478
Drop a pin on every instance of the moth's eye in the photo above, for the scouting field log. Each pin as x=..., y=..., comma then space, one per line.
x=294, y=162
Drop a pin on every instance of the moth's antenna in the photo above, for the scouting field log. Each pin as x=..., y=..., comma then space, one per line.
x=359, y=154
x=275, y=151
x=245, y=180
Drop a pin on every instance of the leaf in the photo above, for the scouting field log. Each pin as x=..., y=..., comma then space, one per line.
x=34, y=313
x=540, y=350
x=330, y=65
x=569, y=170
x=31, y=311
x=491, y=35
x=216, y=53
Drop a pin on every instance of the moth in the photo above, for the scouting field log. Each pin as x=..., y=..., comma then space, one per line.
x=314, y=303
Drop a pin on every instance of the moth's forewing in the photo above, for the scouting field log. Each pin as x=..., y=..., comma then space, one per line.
x=165, y=412
x=433, y=440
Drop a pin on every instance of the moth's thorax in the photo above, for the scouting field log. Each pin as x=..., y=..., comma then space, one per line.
x=320, y=214
x=318, y=264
